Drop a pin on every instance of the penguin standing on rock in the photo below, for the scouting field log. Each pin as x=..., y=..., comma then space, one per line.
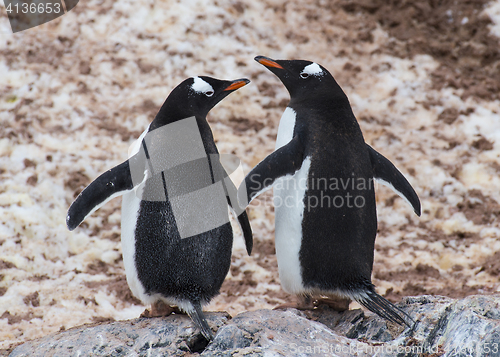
x=176, y=234
x=322, y=172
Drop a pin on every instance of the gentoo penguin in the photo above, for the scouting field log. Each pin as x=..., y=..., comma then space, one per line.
x=176, y=235
x=322, y=172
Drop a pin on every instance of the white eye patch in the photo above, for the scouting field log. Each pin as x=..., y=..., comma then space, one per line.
x=200, y=86
x=312, y=70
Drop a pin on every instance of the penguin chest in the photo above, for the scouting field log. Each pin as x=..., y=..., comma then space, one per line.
x=286, y=127
x=289, y=194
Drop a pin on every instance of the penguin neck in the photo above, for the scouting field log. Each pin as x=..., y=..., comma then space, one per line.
x=335, y=113
x=321, y=100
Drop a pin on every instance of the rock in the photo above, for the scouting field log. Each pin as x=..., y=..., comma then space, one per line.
x=278, y=333
x=174, y=335
x=444, y=327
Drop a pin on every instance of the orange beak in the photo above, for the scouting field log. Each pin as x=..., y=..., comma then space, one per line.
x=237, y=84
x=267, y=62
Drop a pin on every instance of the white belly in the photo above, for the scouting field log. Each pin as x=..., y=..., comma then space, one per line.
x=289, y=195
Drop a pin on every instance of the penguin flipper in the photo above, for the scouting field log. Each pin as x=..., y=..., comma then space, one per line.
x=384, y=308
x=243, y=221
x=220, y=174
x=247, y=231
x=200, y=321
x=287, y=160
x=111, y=184
x=387, y=174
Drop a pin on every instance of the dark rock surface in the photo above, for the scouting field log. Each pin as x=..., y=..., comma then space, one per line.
x=444, y=327
x=171, y=336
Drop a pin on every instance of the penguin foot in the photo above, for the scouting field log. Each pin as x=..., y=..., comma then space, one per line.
x=303, y=303
x=160, y=309
x=337, y=304
x=307, y=303
x=291, y=305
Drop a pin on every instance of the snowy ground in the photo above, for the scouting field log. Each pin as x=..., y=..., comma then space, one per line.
x=75, y=93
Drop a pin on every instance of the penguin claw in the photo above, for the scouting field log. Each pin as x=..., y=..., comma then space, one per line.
x=292, y=305
x=304, y=303
x=160, y=309
x=337, y=304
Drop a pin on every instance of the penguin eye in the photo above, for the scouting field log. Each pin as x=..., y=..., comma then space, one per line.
x=304, y=75
x=209, y=93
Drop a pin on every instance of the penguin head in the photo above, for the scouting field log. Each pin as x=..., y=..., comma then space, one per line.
x=303, y=79
x=205, y=92
x=196, y=96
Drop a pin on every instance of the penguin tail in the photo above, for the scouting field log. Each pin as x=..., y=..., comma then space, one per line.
x=383, y=308
x=199, y=320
